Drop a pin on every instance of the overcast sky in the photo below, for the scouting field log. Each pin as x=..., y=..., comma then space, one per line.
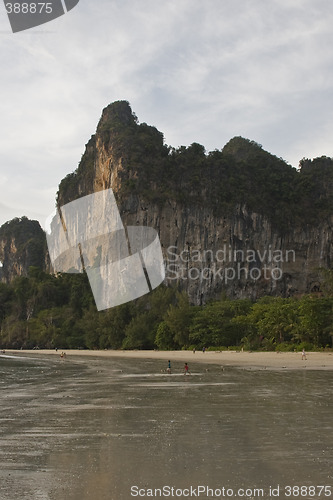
x=199, y=70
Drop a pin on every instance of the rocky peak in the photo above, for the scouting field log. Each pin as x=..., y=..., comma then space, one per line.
x=241, y=149
x=117, y=114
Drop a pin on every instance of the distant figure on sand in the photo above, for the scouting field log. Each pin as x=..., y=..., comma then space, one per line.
x=169, y=366
x=303, y=354
x=186, y=369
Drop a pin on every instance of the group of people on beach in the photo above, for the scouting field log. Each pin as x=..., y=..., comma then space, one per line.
x=186, y=368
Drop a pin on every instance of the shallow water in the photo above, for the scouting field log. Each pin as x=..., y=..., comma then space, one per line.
x=90, y=428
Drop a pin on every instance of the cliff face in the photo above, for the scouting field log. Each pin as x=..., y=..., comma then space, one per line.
x=238, y=221
x=240, y=255
x=22, y=244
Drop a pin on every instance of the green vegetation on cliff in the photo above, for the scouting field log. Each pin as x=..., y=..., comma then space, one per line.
x=242, y=173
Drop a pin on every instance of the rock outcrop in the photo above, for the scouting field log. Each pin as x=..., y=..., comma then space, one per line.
x=22, y=245
x=238, y=222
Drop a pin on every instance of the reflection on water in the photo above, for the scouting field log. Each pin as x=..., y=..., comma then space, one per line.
x=89, y=428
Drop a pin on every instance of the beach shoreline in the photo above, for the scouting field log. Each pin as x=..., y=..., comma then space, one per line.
x=237, y=359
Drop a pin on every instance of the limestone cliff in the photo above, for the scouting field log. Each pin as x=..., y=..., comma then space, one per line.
x=22, y=244
x=237, y=221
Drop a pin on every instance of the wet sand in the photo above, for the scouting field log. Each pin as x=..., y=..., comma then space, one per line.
x=95, y=423
x=246, y=359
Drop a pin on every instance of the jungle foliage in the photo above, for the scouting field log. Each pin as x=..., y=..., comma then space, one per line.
x=48, y=311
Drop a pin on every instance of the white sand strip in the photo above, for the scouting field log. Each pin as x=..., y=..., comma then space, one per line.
x=261, y=360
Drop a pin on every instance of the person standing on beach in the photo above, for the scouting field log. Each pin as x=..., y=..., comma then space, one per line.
x=169, y=366
x=303, y=355
x=186, y=369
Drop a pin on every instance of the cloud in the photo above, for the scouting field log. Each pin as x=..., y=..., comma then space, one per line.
x=6, y=213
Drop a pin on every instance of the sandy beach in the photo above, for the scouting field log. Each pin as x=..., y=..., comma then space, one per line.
x=247, y=360
x=95, y=423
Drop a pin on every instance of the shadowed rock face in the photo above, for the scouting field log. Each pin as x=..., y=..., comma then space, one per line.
x=239, y=221
x=22, y=244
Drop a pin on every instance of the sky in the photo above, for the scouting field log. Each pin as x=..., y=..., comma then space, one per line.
x=199, y=70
